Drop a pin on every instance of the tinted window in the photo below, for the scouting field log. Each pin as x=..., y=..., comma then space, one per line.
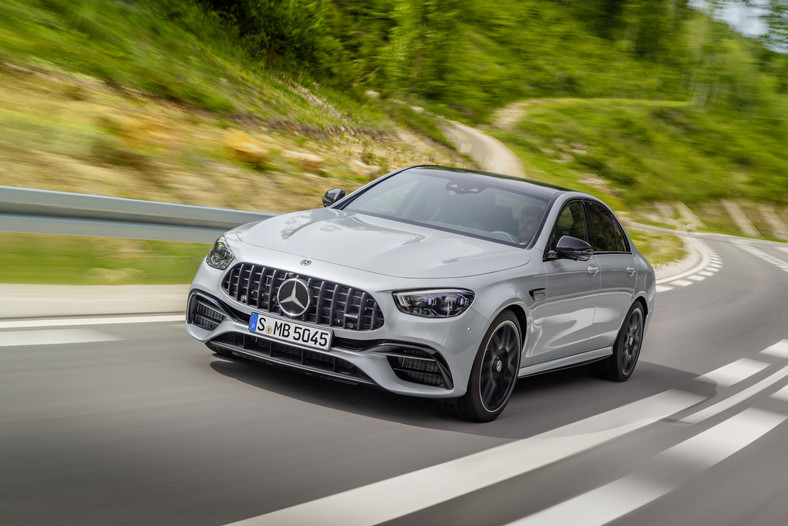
x=569, y=223
x=465, y=204
x=606, y=233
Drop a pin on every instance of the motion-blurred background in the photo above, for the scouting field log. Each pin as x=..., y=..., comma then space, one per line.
x=673, y=111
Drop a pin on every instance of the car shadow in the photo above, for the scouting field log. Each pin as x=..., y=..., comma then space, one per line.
x=538, y=404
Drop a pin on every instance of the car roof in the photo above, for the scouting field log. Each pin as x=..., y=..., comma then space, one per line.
x=538, y=189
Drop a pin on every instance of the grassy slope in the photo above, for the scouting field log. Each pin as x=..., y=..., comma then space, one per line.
x=136, y=100
x=709, y=123
x=133, y=98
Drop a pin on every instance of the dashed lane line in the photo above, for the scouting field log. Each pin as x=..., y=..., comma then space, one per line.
x=709, y=265
x=405, y=494
x=670, y=469
x=53, y=337
x=734, y=373
x=662, y=474
x=765, y=256
x=778, y=350
x=782, y=394
x=735, y=399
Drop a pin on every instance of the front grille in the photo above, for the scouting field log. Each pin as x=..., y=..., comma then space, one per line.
x=421, y=367
x=203, y=313
x=332, y=304
x=249, y=346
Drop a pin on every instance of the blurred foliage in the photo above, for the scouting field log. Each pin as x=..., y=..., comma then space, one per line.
x=653, y=150
x=635, y=100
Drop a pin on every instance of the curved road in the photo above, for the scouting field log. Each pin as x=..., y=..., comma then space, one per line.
x=487, y=152
x=127, y=420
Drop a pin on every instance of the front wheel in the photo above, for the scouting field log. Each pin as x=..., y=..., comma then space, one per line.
x=626, y=349
x=494, y=371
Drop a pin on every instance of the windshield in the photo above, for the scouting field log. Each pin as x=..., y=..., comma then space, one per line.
x=463, y=203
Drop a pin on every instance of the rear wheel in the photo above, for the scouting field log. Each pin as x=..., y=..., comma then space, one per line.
x=494, y=372
x=626, y=349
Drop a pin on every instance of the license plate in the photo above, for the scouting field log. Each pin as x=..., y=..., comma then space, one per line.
x=287, y=331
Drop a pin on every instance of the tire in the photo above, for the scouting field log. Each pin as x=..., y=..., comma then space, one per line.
x=626, y=349
x=494, y=372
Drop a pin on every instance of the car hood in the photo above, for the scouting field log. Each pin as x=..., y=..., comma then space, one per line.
x=382, y=246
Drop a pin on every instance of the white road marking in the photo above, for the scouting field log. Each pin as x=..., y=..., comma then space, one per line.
x=732, y=400
x=71, y=322
x=599, y=506
x=734, y=372
x=662, y=474
x=681, y=282
x=779, y=349
x=52, y=337
x=706, y=273
x=779, y=263
x=404, y=494
x=697, y=278
x=663, y=288
x=705, y=252
x=782, y=394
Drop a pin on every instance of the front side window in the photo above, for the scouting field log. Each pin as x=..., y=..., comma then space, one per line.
x=606, y=233
x=570, y=223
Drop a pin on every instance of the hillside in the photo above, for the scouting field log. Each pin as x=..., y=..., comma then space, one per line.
x=153, y=100
x=673, y=118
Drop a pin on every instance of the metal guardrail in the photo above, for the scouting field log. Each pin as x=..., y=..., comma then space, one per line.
x=47, y=212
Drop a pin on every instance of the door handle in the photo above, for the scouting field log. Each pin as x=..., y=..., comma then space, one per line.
x=631, y=271
x=593, y=270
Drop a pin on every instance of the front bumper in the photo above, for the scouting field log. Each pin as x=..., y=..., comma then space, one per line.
x=408, y=355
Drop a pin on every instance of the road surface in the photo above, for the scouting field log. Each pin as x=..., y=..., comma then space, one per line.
x=127, y=420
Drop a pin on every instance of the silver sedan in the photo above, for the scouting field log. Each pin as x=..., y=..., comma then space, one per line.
x=433, y=282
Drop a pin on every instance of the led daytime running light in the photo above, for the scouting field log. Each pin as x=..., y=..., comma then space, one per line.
x=437, y=303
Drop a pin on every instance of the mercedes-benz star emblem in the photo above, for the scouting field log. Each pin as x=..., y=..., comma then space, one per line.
x=293, y=297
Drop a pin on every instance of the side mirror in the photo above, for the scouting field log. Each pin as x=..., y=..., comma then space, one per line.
x=332, y=196
x=573, y=248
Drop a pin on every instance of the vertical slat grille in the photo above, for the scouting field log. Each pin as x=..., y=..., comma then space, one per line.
x=333, y=304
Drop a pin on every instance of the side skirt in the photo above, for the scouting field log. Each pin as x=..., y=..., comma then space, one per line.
x=565, y=363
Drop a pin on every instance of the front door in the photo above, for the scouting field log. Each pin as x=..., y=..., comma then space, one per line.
x=562, y=320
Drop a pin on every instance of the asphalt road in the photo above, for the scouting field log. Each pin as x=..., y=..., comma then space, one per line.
x=132, y=422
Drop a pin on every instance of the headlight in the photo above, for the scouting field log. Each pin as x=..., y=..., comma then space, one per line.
x=441, y=303
x=220, y=255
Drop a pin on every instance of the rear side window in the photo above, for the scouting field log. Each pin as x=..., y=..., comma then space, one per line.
x=606, y=233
